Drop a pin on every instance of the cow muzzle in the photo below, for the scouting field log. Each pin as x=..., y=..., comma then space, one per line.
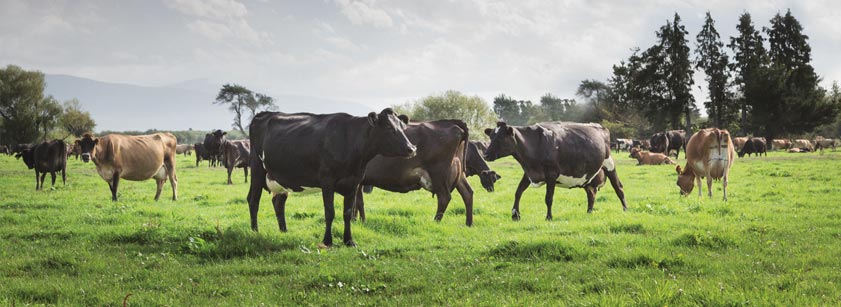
x=86, y=157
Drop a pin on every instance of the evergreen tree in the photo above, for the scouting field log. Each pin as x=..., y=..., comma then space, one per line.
x=679, y=72
x=749, y=56
x=711, y=59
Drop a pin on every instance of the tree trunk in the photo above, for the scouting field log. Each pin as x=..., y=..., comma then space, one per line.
x=744, y=120
x=688, y=120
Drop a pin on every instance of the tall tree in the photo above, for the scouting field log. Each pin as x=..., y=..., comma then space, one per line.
x=76, y=121
x=21, y=92
x=679, y=72
x=473, y=110
x=711, y=59
x=749, y=55
x=596, y=92
x=47, y=113
x=514, y=112
x=243, y=101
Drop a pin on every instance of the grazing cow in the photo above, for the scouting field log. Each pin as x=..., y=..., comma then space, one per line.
x=664, y=142
x=710, y=154
x=185, y=149
x=777, y=144
x=330, y=151
x=821, y=143
x=47, y=157
x=481, y=145
x=438, y=166
x=569, y=155
x=649, y=158
x=213, y=146
x=475, y=165
x=133, y=158
x=5, y=149
x=753, y=146
x=739, y=142
x=235, y=154
x=803, y=144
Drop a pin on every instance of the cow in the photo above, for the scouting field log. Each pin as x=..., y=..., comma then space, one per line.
x=753, y=146
x=739, y=142
x=709, y=154
x=5, y=150
x=201, y=154
x=803, y=144
x=46, y=157
x=75, y=150
x=777, y=144
x=664, y=142
x=19, y=148
x=821, y=143
x=213, y=146
x=438, y=166
x=480, y=145
x=135, y=158
x=330, y=151
x=185, y=149
x=569, y=155
x=650, y=158
x=475, y=165
x=235, y=154
x=623, y=144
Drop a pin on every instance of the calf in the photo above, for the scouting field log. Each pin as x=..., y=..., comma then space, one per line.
x=709, y=154
x=235, y=154
x=46, y=157
x=753, y=146
x=649, y=158
x=568, y=155
x=329, y=151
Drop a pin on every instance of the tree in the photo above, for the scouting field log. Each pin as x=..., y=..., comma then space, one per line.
x=47, y=113
x=749, y=56
x=596, y=93
x=679, y=72
x=514, y=112
x=74, y=120
x=713, y=61
x=560, y=109
x=243, y=101
x=473, y=110
x=21, y=92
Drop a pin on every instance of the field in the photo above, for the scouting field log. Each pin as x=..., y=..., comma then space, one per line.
x=776, y=242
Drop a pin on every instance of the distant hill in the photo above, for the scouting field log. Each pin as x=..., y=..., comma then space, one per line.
x=121, y=107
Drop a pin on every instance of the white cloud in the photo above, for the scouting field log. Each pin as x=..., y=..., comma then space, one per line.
x=362, y=12
x=213, y=9
x=220, y=20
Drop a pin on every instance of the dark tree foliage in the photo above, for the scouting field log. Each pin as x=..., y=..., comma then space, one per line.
x=21, y=102
x=74, y=120
x=243, y=101
x=47, y=113
x=749, y=56
x=514, y=112
x=560, y=109
x=711, y=59
x=679, y=72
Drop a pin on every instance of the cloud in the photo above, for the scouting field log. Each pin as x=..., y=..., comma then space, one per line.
x=362, y=12
x=213, y=9
x=220, y=20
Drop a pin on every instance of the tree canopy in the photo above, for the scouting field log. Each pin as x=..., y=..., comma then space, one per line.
x=243, y=102
x=473, y=110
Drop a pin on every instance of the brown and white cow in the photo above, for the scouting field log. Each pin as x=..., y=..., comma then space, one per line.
x=739, y=142
x=235, y=154
x=649, y=158
x=777, y=144
x=133, y=158
x=709, y=154
x=184, y=149
x=803, y=144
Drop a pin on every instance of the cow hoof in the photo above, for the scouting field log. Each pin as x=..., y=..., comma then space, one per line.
x=350, y=243
x=548, y=217
x=515, y=217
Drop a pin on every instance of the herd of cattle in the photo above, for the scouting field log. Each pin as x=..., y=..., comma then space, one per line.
x=348, y=155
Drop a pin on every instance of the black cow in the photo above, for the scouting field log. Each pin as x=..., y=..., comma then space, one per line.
x=47, y=157
x=438, y=166
x=753, y=146
x=235, y=154
x=201, y=154
x=330, y=151
x=5, y=149
x=20, y=148
x=213, y=146
x=570, y=155
x=664, y=142
x=476, y=165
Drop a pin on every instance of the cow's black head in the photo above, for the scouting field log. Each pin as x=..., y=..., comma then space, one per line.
x=475, y=165
x=502, y=143
x=213, y=141
x=388, y=134
x=28, y=155
x=87, y=145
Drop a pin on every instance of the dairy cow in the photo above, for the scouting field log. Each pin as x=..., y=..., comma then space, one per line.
x=235, y=154
x=709, y=154
x=46, y=157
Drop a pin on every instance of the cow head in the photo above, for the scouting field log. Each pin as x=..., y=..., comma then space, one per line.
x=685, y=180
x=476, y=165
x=635, y=152
x=87, y=146
x=28, y=155
x=213, y=141
x=388, y=136
x=502, y=143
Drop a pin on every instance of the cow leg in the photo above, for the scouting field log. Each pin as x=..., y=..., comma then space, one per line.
x=43, y=176
x=329, y=215
x=347, y=216
x=37, y=181
x=52, y=176
x=724, y=186
x=710, y=186
x=550, y=195
x=279, y=203
x=173, y=180
x=444, y=198
x=230, y=169
x=698, y=184
x=64, y=176
x=160, y=183
x=524, y=184
x=245, y=169
x=591, y=197
x=617, y=187
x=466, y=193
x=255, y=191
x=359, y=205
x=115, y=182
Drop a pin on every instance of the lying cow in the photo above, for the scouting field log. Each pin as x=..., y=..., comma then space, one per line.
x=649, y=158
x=184, y=149
x=235, y=154
x=568, y=155
x=133, y=158
x=329, y=151
x=803, y=144
x=438, y=167
x=709, y=154
x=753, y=146
x=46, y=157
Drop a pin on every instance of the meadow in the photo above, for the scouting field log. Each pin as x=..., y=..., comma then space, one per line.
x=776, y=242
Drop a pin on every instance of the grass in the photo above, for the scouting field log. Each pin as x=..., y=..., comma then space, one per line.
x=774, y=243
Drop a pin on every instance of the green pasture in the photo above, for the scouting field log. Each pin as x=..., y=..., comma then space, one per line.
x=776, y=242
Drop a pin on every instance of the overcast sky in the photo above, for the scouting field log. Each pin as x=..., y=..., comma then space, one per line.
x=374, y=52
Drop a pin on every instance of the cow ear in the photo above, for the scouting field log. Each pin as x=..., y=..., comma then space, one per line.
x=404, y=118
x=95, y=141
x=498, y=177
x=510, y=130
x=677, y=168
x=372, y=119
x=488, y=131
x=224, y=133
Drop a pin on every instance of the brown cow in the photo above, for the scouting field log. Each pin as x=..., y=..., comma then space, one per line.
x=803, y=144
x=649, y=158
x=134, y=158
x=185, y=149
x=821, y=143
x=739, y=142
x=709, y=154
x=235, y=154
x=778, y=144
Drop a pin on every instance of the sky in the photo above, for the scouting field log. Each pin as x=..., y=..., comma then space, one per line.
x=377, y=53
